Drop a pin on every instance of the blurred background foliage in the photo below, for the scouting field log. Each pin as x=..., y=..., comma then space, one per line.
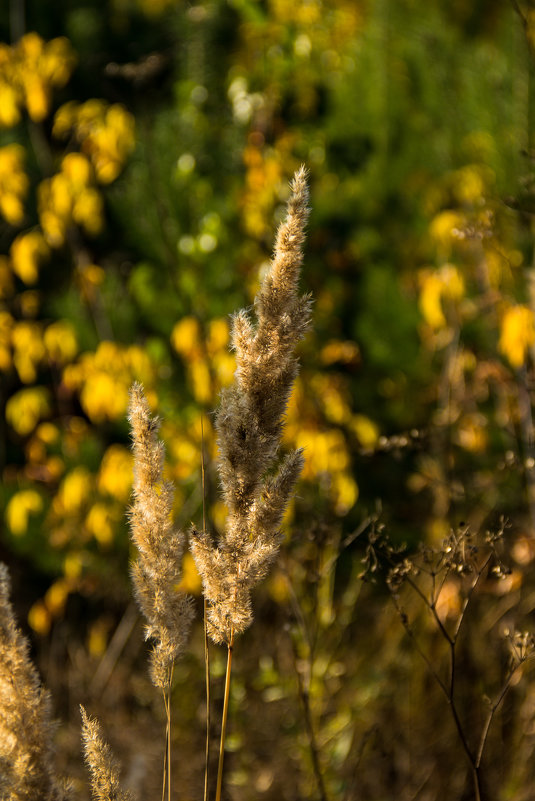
x=145, y=153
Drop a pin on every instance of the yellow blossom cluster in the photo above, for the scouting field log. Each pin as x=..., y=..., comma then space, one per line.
x=81, y=506
x=517, y=334
x=13, y=183
x=27, y=344
x=69, y=198
x=437, y=289
x=209, y=365
x=327, y=442
x=27, y=253
x=106, y=134
x=263, y=182
x=104, y=377
x=29, y=70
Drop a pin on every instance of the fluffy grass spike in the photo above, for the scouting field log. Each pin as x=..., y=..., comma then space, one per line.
x=249, y=425
x=157, y=571
x=26, y=728
x=102, y=765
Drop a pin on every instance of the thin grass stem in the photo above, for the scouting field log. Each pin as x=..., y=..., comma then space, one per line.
x=205, y=628
x=224, y=719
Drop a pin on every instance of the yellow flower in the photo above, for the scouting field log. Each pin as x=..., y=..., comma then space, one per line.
x=224, y=364
x=73, y=492
x=72, y=566
x=27, y=251
x=470, y=183
x=97, y=640
x=325, y=451
x=100, y=522
x=332, y=398
x=517, y=334
x=60, y=342
x=47, y=433
x=105, y=133
x=218, y=336
x=436, y=286
x=56, y=596
x=69, y=197
x=185, y=338
x=344, y=492
x=445, y=226
x=39, y=618
x=88, y=211
x=41, y=67
x=366, y=431
x=77, y=169
x=9, y=105
x=29, y=350
x=471, y=433
x=336, y=351
x=201, y=381
x=115, y=474
x=13, y=182
x=20, y=507
x=191, y=581
x=103, y=397
x=37, y=97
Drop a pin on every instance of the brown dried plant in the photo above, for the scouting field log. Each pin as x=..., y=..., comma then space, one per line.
x=26, y=728
x=157, y=571
x=249, y=425
x=466, y=560
x=103, y=767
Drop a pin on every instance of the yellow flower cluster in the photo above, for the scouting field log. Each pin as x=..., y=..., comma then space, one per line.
x=104, y=377
x=208, y=363
x=69, y=197
x=23, y=504
x=13, y=183
x=26, y=344
x=29, y=70
x=437, y=287
x=106, y=134
x=327, y=447
x=517, y=334
x=263, y=182
x=26, y=407
x=27, y=252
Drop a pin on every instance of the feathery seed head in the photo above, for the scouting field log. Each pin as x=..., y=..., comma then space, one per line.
x=103, y=767
x=249, y=425
x=160, y=546
x=26, y=728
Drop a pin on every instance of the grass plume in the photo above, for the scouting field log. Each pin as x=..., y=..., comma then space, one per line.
x=26, y=728
x=249, y=426
x=157, y=571
x=102, y=765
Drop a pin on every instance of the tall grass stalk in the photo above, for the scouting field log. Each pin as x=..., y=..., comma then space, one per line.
x=205, y=633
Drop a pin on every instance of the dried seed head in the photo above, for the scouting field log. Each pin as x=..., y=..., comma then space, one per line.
x=249, y=424
x=157, y=572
